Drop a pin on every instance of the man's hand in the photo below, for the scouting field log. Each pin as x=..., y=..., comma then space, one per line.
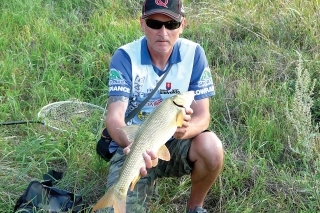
x=181, y=131
x=148, y=156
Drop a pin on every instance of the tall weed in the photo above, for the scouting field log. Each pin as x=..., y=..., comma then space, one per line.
x=304, y=131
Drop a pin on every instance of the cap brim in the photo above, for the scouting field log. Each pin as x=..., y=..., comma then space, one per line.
x=175, y=16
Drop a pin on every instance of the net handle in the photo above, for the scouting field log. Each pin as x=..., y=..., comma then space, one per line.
x=7, y=123
x=47, y=107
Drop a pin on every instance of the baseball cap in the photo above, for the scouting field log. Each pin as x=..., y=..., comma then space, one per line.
x=171, y=8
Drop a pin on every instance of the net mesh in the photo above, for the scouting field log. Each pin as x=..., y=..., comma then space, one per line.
x=71, y=115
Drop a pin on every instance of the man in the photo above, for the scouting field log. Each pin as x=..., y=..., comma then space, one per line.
x=135, y=69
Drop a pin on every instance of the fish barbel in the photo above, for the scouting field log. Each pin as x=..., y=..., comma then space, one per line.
x=155, y=131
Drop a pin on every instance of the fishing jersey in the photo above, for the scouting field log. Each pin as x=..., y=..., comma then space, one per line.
x=133, y=75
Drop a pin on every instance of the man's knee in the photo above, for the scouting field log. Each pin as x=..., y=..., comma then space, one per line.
x=207, y=147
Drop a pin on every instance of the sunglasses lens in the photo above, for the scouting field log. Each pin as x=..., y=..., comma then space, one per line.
x=170, y=25
x=154, y=24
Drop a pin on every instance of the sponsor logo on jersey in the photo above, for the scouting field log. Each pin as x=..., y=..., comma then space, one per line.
x=138, y=83
x=167, y=92
x=204, y=90
x=119, y=89
x=206, y=78
x=115, y=77
x=154, y=103
x=168, y=85
x=143, y=115
x=115, y=74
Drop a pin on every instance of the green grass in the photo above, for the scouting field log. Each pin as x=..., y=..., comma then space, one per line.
x=264, y=57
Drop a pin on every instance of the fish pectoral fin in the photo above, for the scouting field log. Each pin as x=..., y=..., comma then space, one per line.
x=130, y=131
x=163, y=153
x=155, y=162
x=134, y=181
x=179, y=118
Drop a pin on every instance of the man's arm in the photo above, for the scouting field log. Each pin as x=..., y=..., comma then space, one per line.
x=117, y=106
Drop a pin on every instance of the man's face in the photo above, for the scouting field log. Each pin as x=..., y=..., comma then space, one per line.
x=161, y=40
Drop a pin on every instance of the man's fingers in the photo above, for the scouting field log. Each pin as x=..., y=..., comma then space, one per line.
x=188, y=110
x=152, y=154
x=126, y=150
x=143, y=171
x=148, y=164
x=148, y=156
x=147, y=160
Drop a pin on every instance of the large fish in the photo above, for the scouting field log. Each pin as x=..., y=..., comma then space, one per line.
x=155, y=131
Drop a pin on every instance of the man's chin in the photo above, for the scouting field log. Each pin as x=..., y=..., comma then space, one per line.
x=163, y=49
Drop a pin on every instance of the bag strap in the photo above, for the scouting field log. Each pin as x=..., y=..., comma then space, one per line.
x=53, y=175
x=138, y=108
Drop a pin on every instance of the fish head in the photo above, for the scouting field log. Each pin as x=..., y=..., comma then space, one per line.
x=184, y=99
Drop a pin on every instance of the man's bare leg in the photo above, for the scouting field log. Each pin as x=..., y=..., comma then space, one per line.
x=206, y=152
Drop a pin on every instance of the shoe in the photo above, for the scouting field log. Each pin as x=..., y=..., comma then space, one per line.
x=197, y=210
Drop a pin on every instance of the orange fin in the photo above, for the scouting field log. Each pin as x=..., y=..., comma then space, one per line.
x=154, y=162
x=112, y=198
x=134, y=181
x=163, y=153
x=179, y=118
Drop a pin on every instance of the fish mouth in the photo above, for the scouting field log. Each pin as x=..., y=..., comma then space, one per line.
x=178, y=105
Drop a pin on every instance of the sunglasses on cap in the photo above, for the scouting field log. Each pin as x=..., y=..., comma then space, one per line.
x=155, y=24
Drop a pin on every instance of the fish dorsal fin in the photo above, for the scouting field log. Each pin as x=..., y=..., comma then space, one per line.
x=179, y=118
x=130, y=131
x=134, y=181
x=163, y=153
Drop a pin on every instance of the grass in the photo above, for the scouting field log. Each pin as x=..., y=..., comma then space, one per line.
x=264, y=57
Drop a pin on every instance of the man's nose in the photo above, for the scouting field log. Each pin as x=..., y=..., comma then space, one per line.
x=163, y=30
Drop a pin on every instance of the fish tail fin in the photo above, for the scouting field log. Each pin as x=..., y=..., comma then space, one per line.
x=112, y=198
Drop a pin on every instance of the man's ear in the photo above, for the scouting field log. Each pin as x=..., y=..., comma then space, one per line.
x=142, y=25
x=183, y=24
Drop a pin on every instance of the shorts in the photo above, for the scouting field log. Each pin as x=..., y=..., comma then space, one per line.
x=139, y=198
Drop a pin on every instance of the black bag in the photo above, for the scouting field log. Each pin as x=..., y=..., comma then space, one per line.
x=102, y=147
x=44, y=197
